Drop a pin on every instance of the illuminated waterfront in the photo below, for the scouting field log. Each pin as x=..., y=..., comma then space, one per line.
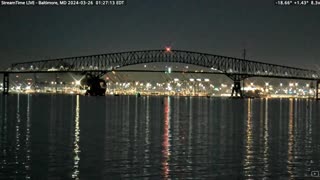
x=174, y=87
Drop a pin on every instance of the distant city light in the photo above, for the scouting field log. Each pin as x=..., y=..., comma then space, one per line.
x=168, y=49
x=176, y=79
x=281, y=84
x=224, y=85
x=78, y=83
x=267, y=84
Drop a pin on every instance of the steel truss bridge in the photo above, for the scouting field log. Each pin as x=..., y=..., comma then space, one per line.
x=98, y=65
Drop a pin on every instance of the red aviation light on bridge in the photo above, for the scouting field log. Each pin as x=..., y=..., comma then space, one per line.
x=168, y=49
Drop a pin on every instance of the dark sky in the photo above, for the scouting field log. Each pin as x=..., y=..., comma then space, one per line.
x=282, y=35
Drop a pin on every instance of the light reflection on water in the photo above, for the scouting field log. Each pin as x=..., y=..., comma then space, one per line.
x=77, y=137
x=76, y=151
x=166, y=137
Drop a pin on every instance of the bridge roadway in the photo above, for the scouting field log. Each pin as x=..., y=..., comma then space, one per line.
x=98, y=65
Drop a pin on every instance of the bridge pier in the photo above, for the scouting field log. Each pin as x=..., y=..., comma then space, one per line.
x=236, y=89
x=96, y=84
x=5, y=83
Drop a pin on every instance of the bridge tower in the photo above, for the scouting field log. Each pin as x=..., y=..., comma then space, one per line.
x=5, y=83
x=236, y=89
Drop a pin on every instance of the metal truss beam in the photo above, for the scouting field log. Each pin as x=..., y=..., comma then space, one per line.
x=223, y=64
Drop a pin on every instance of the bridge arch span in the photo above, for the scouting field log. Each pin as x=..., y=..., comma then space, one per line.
x=225, y=64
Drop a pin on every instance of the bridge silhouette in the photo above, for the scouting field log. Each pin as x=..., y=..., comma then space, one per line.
x=97, y=65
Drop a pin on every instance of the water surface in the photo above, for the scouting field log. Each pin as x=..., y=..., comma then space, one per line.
x=78, y=137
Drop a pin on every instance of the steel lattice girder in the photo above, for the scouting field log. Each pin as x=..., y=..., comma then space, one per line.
x=227, y=65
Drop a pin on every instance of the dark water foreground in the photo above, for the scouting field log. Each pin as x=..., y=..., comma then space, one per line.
x=65, y=137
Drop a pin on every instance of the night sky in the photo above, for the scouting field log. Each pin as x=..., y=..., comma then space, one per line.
x=282, y=35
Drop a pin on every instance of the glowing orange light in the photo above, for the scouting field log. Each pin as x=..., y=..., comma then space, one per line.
x=168, y=49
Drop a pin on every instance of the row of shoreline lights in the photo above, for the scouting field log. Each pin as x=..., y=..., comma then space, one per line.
x=78, y=82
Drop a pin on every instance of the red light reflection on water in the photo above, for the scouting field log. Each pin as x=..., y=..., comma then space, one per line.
x=166, y=142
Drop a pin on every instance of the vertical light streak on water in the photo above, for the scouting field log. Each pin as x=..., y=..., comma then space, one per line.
x=266, y=152
x=76, y=150
x=280, y=119
x=126, y=127
x=308, y=138
x=147, y=136
x=52, y=133
x=28, y=140
x=205, y=137
x=290, y=140
x=17, y=134
x=135, y=132
x=166, y=138
x=176, y=116
x=4, y=133
x=190, y=132
x=248, y=159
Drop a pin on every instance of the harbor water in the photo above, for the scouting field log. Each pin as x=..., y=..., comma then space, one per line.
x=129, y=137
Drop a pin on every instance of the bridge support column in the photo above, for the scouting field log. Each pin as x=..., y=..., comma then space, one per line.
x=236, y=89
x=56, y=83
x=317, y=90
x=5, y=83
x=95, y=83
